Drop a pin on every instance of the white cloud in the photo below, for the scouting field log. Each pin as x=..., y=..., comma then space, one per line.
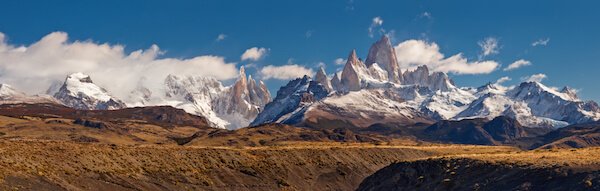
x=541, y=42
x=426, y=15
x=251, y=65
x=503, y=79
x=350, y=5
x=285, y=72
x=221, y=37
x=35, y=67
x=534, y=78
x=390, y=34
x=517, y=64
x=309, y=33
x=254, y=54
x=488, y=46
x=376, y=22
x=412, y=53
x=321, y=64
x=339, y=61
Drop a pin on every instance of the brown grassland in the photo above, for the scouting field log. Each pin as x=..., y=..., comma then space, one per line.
x=53, y=153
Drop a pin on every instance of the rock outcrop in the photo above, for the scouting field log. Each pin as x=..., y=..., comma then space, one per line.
x=382, y=53
x=321, y=77
x=353, y=72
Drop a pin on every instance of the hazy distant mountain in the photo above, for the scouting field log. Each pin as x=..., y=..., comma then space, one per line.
x=229, y=107
x=9, y=95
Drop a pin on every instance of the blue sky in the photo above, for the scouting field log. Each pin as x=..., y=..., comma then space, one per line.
x=309, y=32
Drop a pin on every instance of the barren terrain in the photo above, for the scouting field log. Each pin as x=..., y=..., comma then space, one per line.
x=59, y=165
x=558, y=169
x=48, y=147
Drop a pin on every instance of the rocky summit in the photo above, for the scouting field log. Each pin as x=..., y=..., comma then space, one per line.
x=79, y=91
x=228, y=107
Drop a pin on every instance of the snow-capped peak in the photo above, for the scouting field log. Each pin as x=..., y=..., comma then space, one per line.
x=532, y=103
x=537, y=87
x=570, y=93
x=369, y=91
x=228, y=107
x=491, y=88
x=7, y=91
x=80, y=92
x=79, y=83
x=321, y=77
x=291, y=101
x=9, y=95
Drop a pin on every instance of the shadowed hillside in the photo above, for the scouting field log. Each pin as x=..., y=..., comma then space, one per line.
x=547, y=170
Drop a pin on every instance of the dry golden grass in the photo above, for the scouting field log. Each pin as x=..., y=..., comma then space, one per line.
x=60, y=129
x=584, y=158
x=140, y=155
x=74, y=165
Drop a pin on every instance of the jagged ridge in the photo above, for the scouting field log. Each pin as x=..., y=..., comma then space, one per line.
x=378, y=91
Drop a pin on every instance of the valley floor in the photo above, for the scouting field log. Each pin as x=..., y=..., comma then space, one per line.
x=63, y=165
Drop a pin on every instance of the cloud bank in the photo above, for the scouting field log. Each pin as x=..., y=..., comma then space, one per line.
x=489, y=46
x=221, y=37
x=535, y=78
x=339, y=61
x=377, y=22
x=412, y=53
x=285, y=72
x=426, y=15
x=517, y=64
x=254, y=54
x=502, y=80
x=33, y=68
x=540, y=42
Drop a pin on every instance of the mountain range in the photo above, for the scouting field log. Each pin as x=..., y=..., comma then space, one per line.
x=365, y=93
x=379, y=91
x=229, y=107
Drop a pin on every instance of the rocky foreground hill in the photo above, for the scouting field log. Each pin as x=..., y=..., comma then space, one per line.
x=546, y=170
